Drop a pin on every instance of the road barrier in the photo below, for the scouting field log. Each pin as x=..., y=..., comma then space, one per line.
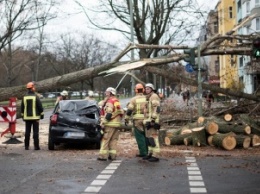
x=8, y=114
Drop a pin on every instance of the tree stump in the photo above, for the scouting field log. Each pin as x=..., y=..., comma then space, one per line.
x=243, y=141
x=175, y=140
x=198, y=136
x=224, y=141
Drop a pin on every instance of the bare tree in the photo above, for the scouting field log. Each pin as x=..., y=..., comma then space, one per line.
x=17, y=17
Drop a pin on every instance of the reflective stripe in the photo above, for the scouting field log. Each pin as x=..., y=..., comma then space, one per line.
x=32, y=108
x=113, y=124
x=112, y=152
x=138, y=116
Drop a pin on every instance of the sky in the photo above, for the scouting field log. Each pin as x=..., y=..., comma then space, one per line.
x=72, y=21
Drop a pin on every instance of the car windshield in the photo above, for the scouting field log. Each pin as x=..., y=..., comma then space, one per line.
x=76, y=105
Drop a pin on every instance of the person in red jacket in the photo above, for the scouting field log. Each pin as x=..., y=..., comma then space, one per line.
x=110, y=122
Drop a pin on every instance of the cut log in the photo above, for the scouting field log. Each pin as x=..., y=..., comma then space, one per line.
x=211, y=127
x=234, y=127
x=187, y=140
x=227, y=117
x=255, y=140
x=243, y=141
x=209, y=140
x=255, y=128
x=201, y=120
x=224, y=141
x=175, y=140
x=162, y=135
x=198, y=136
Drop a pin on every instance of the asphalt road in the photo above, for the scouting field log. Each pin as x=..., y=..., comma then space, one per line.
x=73, y=170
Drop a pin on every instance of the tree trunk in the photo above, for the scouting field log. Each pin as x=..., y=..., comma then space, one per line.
x=176, y=140
x=243, y=141
x=224, y=141
x=227, y=117
x=234, y=127
x=187, y=140
x=199, y=136
x=255, y=140
x=211, y=127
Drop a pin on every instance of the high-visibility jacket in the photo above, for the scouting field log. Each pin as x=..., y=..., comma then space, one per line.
x=137, y=106
x=153, y=108
x=113, y=106
x=31, y=107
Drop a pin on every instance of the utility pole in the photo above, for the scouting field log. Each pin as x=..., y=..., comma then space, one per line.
x=199, y=84
x=132, y=40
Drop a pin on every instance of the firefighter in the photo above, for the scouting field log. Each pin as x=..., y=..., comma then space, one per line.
x=151, y=122
x=135, y=110
x=31, y=112
x=64, y=95
x=110, y=122
x=90, y=96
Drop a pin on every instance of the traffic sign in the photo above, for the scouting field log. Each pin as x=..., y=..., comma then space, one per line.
x=189, y=68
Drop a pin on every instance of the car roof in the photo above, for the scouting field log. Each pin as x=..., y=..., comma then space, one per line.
x=76, y=104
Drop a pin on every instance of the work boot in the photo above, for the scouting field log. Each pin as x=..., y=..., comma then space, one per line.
x=26, y=148
x=110, y=158
x=153, y=159
x=37, y=148
x=140, y=155
x=147, y=157
x=102, y=159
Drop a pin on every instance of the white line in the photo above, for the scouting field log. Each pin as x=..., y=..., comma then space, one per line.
x=195, y=178
x=197, y=183
x=194, y=172
x=99, y=182
x=190, y=160
x=198, y=190
x=193, y=168
x=103, y=177
x=107, y=171
x=91, y=189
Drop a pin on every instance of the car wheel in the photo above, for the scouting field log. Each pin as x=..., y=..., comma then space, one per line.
x=50, y=143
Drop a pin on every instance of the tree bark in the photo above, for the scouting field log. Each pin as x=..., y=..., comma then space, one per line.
x=199, y=136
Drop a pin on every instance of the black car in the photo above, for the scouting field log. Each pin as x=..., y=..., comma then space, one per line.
x=75, y=121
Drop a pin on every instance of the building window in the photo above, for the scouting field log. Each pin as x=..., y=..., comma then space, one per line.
x=257, y=24
x=241, y=61
x=230, y=12
x=247, y=7
x=257, y=2
x=215, y=27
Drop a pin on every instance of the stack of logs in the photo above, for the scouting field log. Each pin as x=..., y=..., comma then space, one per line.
x=227, y=133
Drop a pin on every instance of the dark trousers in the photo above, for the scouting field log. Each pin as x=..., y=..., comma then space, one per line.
x=141, y=141
x=28, y=125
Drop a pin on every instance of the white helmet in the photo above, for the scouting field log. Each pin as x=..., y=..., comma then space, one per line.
x=90, y=93
x=150, y=86
x=64, y=93
x=112, y=90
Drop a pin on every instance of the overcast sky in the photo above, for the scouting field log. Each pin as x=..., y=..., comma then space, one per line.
x=73, y=22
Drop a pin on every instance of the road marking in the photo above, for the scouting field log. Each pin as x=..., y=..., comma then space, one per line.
x=196, y=182
x=103, y=177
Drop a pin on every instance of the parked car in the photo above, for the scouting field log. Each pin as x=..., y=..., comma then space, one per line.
x=75, y=121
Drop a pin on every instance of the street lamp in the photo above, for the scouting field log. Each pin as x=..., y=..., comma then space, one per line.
x=132, y=40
